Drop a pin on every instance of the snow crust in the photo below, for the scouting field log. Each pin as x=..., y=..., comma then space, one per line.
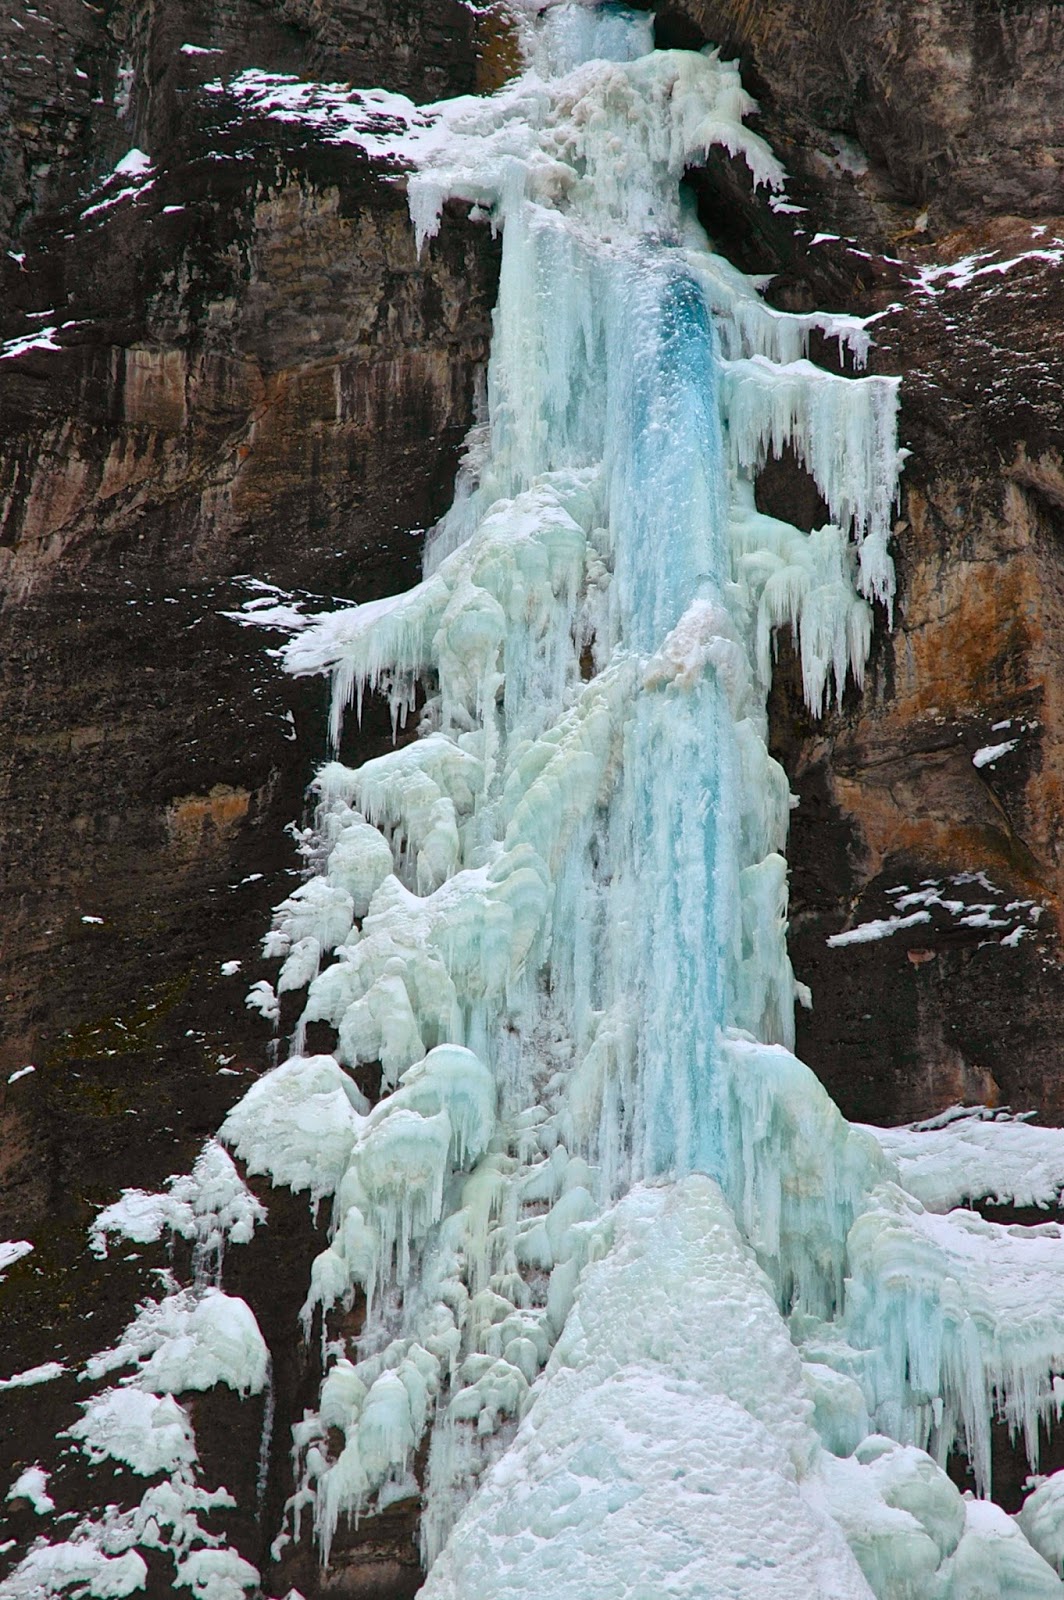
x=878, y=928
x=967, y=1155
x=932, y=280
x=40, y=339
x=134, y=172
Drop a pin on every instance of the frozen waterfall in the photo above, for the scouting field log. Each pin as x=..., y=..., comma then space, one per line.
x=666, y=1321
x=644, y=1315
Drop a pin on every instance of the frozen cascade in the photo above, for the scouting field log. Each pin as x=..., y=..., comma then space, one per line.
x=599, y=1182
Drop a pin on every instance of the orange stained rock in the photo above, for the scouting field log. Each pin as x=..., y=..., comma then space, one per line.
x=195, y=822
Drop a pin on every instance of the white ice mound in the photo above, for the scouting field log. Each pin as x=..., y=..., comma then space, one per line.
x=145, y=1431
x=1041, y=1517
x=994, y=1561
x=520, y=571
x=216, y=1575
x=666, y=1440
x=297, y=1124
x=190, y=1340
x=901, y=1516
x=797, y=1174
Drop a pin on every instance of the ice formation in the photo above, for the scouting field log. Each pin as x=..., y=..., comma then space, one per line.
x=970, y=1154
x=656, y=1308
x=32, y=1485
x=191, y=1339
x=660, y=1317
x=44, y=1373
x=208, y=1206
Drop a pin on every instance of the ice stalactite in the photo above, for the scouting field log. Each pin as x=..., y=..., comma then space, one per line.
x=598, y=1182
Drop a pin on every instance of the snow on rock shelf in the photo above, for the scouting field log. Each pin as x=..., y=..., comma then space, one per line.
x=965, y=1155
x=12, y=1250
x=208, y=1206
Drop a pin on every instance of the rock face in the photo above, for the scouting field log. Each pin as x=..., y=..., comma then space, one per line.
x=255, y=377
x=948, y=105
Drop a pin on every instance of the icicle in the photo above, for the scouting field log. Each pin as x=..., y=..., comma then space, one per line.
x=262, y=1476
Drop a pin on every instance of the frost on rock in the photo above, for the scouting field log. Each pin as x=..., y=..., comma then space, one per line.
x=209, y=1206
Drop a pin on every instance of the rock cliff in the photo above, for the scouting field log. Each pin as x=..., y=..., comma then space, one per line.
x=227, y=369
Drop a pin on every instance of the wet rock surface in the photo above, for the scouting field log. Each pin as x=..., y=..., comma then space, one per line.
x=257, y=379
